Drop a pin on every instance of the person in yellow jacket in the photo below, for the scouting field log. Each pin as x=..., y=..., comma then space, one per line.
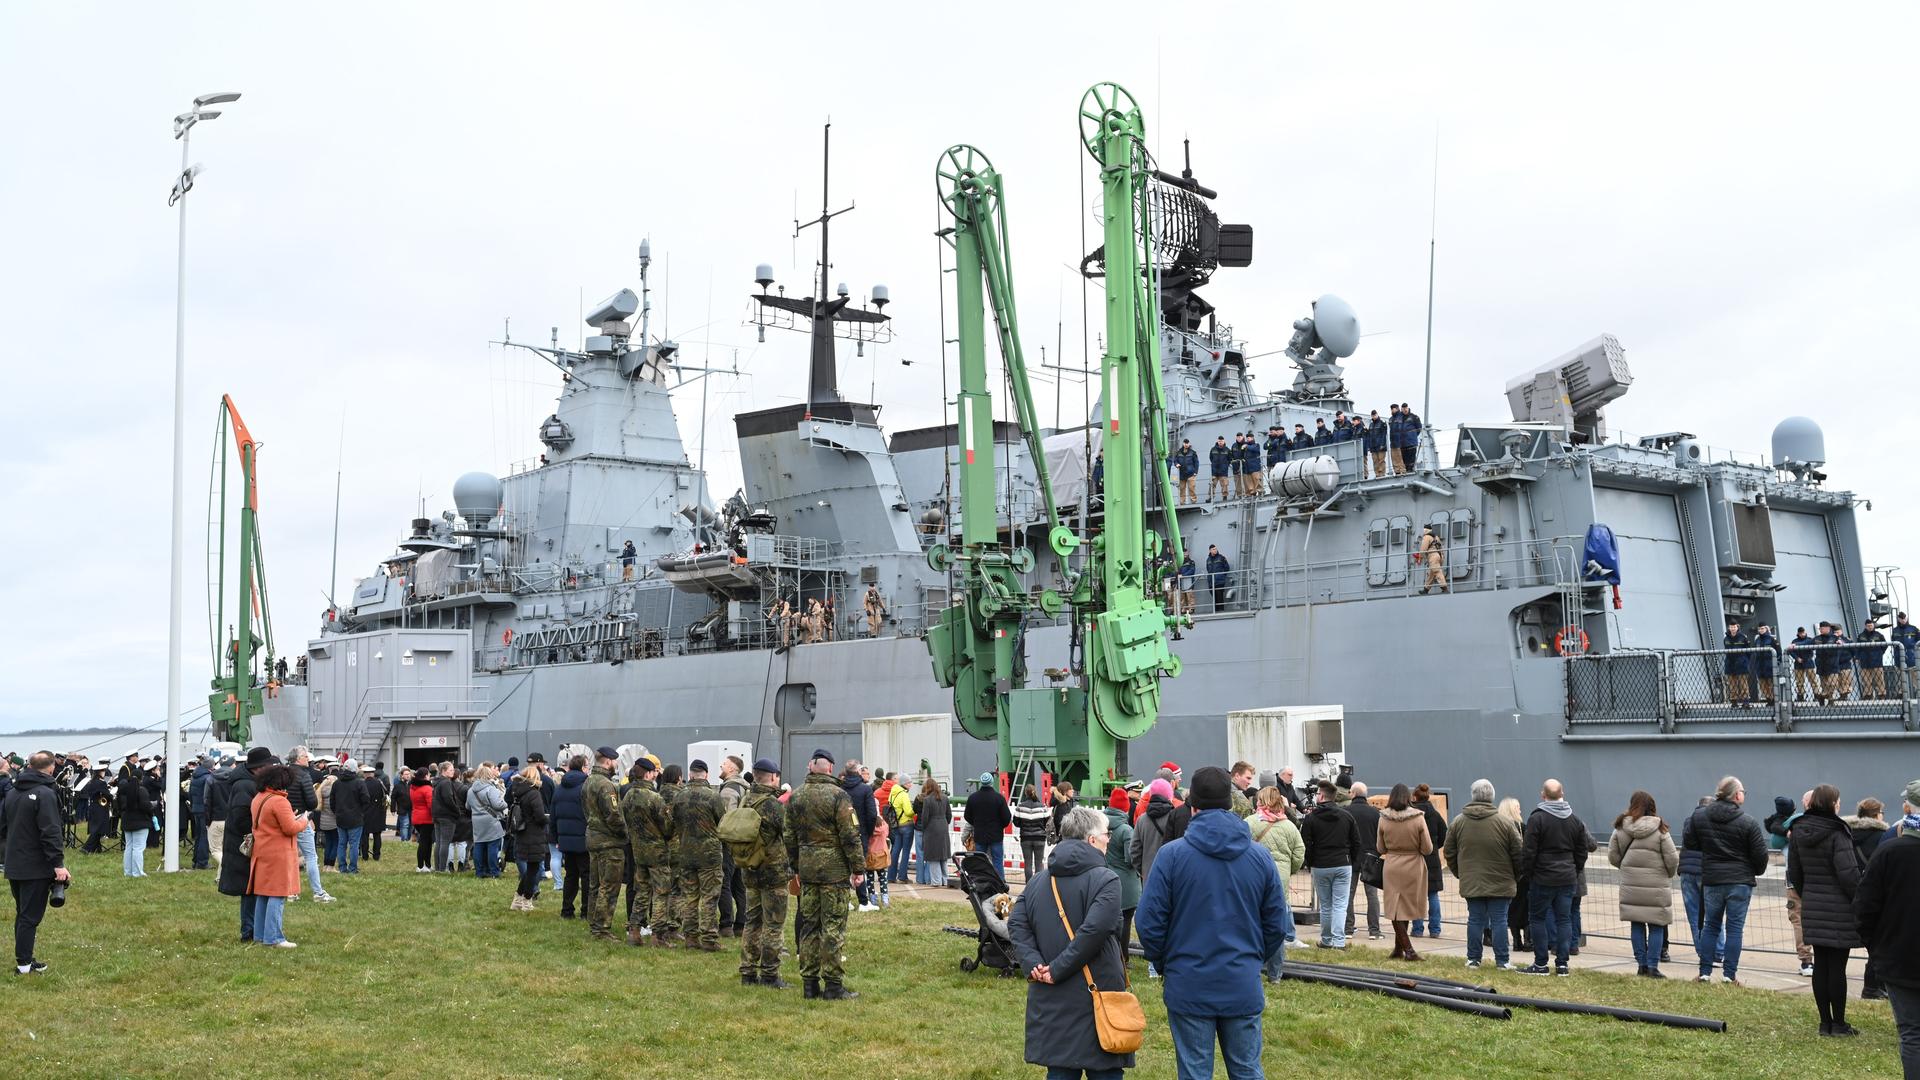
x=901, y=804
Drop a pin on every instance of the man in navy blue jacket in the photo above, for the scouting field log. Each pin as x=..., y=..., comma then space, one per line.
x=1374, y=438
x=1212, y=911
x=1219, y=459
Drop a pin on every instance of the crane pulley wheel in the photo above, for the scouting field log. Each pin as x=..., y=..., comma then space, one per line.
x=963, y=174
x=1105, y=109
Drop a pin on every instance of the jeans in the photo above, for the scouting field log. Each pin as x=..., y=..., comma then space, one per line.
x=486, y=858
x=403, y=829
x=554, y=866
x=246, y=916
x=1690, y=898
x=1550, y=911
x=134, y=862
x=442, y=845
x=1277, y=961
x=997, y=851
x=1723, y=909
x=1432, y=922
x=530, y=877
x=923, y=874
x=1906, y=1019
x=1033, y=856
x=1486, y=913
x=330, y=846
x=304, y=841
x=266, y=919
x=202, y=851
x=1054, y=1072
x=1332, y=886
x=1648, y=938
x=350, y=849
x=902, y=839
x=1239, y=1038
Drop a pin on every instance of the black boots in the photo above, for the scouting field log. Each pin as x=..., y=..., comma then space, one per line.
x=775, y=983
x=837, y=992
x=810, y=988
x=750, y=980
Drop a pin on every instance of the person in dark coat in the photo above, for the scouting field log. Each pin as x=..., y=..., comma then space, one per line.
x=197, y=811
x=1366, y=821
x=236, y=869
x=935, y=815
x=569, y=816
x=1554, y=847
x=528, y=810
x=96, y=797
x=1733, y=853
x=988, y=813
x=349, y=802
x=1883, y=907
x=134, y=800
x=866, y=814
x=1824, y=870
x=1062, y=958
x=34, y=850
x=1437, y=832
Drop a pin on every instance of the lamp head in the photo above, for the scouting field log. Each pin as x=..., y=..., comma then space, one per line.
x=220, y=98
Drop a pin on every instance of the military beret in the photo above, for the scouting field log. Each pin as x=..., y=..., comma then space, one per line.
x=766, y=765
x=696, y=765
x=820, y=754
x=608, y=752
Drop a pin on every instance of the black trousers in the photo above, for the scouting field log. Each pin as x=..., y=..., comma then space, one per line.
x=575, y=866
x=423, y=854
x=29, y=907
x=530, y=871
x=370, y=839
x=733, y=893
x=1830, y=983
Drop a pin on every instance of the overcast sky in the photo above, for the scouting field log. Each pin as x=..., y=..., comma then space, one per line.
x=1732, y=190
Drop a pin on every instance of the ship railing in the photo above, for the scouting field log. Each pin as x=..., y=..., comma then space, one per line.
x=1519, y=564
x=1747, y=688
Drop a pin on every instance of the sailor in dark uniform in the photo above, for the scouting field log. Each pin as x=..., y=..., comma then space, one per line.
x=96, y=802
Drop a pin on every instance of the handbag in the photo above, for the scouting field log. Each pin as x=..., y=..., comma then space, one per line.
x=1117, y=1017
x=246, y=842
x=1373, y=870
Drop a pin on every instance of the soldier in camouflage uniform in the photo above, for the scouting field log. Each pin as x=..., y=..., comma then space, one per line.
x=697, y=861
x=766, y=883
x=669, y=792
x=649, y=827
x=606, y=843
x=823, y=845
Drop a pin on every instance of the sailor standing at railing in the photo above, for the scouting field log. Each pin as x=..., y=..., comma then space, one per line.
x=1873, y=660
x=1906, y=643
x=1763, y=638
x=1806, y=683
x=1737, y=664
x=1831, y=664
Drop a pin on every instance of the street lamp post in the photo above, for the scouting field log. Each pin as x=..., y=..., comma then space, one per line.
x=182, y=129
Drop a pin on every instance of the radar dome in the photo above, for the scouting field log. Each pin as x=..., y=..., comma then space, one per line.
x=1336, y=325
x=1798, y=441
x=477, y=498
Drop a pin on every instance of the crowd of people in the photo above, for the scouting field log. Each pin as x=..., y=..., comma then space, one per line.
x=1389, y=446
x=703, y=855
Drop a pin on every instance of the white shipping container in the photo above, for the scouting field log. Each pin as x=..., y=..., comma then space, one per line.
x=714, y=752
x=1277, y=738
x=901, y=743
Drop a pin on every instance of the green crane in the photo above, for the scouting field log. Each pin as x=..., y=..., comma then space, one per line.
x=1072, y=731
x=241, y=679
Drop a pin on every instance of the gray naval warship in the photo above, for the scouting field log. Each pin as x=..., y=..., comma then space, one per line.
x=1567, y=617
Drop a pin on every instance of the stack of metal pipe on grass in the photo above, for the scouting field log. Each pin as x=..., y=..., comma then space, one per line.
x=1477, y=1000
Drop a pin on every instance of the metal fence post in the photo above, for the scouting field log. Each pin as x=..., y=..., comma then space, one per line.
x=1665, y=669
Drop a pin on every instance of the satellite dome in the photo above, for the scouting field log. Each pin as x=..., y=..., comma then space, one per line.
x=1336, y=325
x=1799, y=441
x=477, y=498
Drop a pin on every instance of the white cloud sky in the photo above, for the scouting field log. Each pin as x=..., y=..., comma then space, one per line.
x=1731, y=189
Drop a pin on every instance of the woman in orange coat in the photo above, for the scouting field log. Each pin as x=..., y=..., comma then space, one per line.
x=275, y=873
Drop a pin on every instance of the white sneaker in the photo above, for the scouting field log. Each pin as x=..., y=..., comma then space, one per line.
x=324, y=898
x=1806, y=971
x=284, y=945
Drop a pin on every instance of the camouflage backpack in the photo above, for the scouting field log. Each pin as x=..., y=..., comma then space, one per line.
x=740, y=831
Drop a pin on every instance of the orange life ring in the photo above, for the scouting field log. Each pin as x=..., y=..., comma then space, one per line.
x=506, y=636
x=1578, y=635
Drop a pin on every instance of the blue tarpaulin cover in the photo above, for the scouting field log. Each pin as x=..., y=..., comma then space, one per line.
x=1601, y=559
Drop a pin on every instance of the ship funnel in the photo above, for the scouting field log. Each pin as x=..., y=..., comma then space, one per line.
x=477, y=497
x=1798, y=441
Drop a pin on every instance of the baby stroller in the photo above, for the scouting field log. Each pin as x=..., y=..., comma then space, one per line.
x=987, y=891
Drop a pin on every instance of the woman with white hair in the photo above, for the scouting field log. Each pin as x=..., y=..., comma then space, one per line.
x=1065, y=930
x=487, y=803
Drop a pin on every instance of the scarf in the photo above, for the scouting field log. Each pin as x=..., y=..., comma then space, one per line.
x=1910, y=824
x=1559, y=808
x=1270, y=814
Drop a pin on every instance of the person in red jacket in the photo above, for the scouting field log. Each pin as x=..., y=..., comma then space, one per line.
x=420, y=799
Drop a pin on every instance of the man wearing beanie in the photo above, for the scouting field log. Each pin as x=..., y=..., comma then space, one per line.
x=1211, y=913
x=1883, y=905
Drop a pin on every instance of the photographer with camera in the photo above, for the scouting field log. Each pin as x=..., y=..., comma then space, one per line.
x=35, y=855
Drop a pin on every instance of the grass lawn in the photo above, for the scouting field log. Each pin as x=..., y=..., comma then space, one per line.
x=432, y=975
